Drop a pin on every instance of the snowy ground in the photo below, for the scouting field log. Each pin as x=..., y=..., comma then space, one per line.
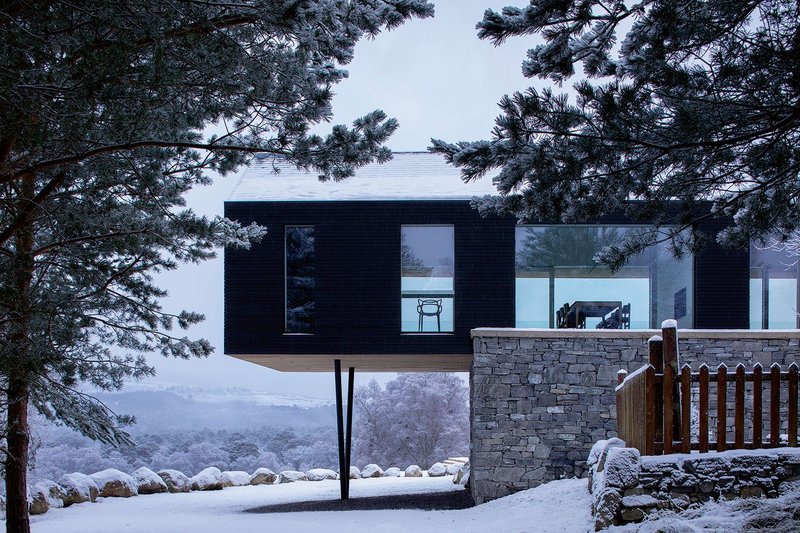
x=559, y=506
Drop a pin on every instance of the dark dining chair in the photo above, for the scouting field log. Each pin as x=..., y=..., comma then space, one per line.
x=430, y=307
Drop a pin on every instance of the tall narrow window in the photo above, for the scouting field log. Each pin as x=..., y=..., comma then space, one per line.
x=300, y=279
x=427, y=270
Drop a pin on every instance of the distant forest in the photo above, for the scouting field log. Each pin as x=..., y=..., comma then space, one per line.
x=178, y=432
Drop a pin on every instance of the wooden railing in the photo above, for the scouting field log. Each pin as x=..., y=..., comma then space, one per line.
x=656, y=402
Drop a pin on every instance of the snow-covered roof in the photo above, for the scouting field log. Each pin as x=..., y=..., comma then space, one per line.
x=407, y=176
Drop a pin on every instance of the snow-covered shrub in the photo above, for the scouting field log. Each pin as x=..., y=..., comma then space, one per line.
x=371, y=470
x=176, y=481
x=392, y=472
x=115, y=484
x=319, y=474
x=263, y=476
x=290, y=476
x=413, y=471
x=78, y=488
x=148, y=482
x=234, y=478
x=437, y=470
x=207, y=479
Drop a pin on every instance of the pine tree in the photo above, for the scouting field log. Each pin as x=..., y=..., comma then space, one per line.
x=103, y=104
x=698, y=100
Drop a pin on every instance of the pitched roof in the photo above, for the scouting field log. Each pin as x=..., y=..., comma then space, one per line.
x=407, y=176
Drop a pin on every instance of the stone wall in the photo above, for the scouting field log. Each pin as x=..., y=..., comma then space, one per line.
x=626, y=487
x=541, y=398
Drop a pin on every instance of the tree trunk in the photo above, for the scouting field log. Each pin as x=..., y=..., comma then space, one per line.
x=18, y=432
x=17, y=458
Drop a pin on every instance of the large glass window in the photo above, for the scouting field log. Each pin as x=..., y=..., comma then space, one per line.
x=426, y=284
x=558, y=283
x=300, y=279
x=773, y=289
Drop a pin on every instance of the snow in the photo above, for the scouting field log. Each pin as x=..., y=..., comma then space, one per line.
x=622, y=467
x=408, y=176
x=207, y=479
x=413, y=471
x=290, y=476
x=726, y=455
x=319, y=474
x=670, y=323
x=371, y=470
x=559, y=506
x=113, y=481
x=79, y=487
x=263, y=476
x=437, y=469
x=392, y=472
x=147, y=481
x=234, y=478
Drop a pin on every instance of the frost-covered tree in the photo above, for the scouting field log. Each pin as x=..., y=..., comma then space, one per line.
x=103, y=105
x=416, y=419
x=680, y=101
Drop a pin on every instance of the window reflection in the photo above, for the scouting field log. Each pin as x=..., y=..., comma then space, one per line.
x=558, y=284
x=300, y=279
x=427, y=272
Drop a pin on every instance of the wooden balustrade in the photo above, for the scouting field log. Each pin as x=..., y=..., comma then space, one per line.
x=654, y=404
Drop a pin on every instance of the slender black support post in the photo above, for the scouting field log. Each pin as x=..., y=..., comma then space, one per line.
x=344, y=469
x=349, y=437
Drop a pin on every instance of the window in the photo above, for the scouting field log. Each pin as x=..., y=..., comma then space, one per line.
x=773, y=289
x=300, y=279
x=426, y=284
x=558, y=283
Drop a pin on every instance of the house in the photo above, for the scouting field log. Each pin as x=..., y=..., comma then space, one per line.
x=392, y=269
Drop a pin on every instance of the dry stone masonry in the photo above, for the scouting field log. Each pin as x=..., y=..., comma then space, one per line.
x=541, y=398
x=626, y=487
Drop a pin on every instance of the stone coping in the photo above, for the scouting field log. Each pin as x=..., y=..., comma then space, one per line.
x=635, y=333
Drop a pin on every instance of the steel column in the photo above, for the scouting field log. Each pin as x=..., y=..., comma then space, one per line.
x=344, y=470
x=349, y=438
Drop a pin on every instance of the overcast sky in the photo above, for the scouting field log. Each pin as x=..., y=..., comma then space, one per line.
x=438, y=80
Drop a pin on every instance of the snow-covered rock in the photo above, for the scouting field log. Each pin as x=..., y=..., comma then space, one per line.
x=78, y=488
x=392, y=472
x=594, y=453
x=371, y=470
x=176, y=481
x=113, y=483
x=53, y=492
x=148, y=482
x=290, y=476
x=437, y=470
x=413, y=471
x=37, y=502
x=355, y=473
x=613, y=442
x=622, y=467
x=263, y=476
x=207, y=479
x=452, y=469
x=320, y=474
x=234, y=478
x=462, y=476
